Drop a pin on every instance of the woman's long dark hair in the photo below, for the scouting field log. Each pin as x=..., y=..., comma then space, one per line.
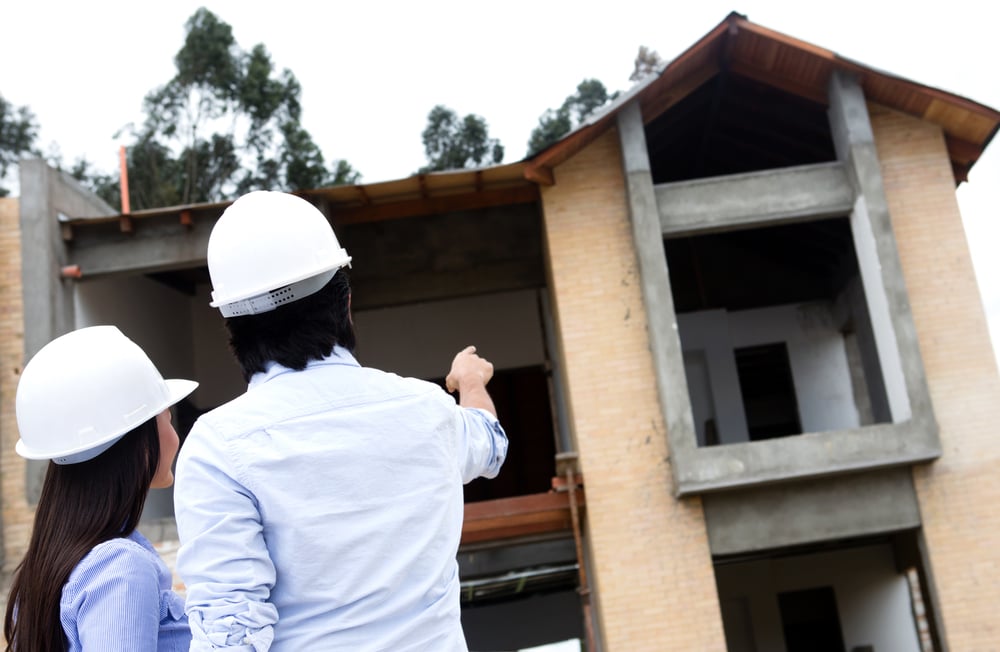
x=81, y=506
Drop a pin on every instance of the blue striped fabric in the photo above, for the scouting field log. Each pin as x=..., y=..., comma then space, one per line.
x=119, y=598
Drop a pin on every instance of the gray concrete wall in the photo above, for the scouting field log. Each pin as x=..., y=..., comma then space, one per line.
x=47, y=194
x=811, y=511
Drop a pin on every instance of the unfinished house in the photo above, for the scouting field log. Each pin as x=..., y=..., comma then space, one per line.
x=740, y=351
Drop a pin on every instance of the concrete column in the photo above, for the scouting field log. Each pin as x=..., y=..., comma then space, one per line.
x=878, y=258
x=664, y=338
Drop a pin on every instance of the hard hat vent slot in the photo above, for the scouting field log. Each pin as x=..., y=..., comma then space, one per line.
x=273, y=298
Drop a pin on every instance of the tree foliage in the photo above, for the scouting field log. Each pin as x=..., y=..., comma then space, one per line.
x=589, y=96
x=453, y=143
x=647, y=62
x=227, y=123
x=18, y=133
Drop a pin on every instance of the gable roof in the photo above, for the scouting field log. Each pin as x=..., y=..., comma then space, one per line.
x=796, y=67
x=736, y=45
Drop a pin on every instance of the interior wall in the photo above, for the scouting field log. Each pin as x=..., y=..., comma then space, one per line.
x=873, y=600
x=155, y=317
x=215, y=366
x=820, y=369
x=421, y=339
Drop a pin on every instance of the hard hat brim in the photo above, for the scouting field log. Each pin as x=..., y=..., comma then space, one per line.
x=343, y=260
x=177, y=388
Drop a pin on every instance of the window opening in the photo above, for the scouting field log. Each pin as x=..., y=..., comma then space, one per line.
x=768, y=391
x=809, y=620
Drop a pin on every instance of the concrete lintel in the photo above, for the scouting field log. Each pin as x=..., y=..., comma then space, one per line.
x=817, y=454
x=811, y=511
x=156, y=245
x=754, y=199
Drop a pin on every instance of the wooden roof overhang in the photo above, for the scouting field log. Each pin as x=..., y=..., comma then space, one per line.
x=794, y=66
x=418, y=195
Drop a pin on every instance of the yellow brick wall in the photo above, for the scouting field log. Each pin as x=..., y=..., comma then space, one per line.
x=651, y=563
x=16, y=514
x=959, y=494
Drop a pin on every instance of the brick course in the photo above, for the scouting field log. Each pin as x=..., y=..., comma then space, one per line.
x=959, y=493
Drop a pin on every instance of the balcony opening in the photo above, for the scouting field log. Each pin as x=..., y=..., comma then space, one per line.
x=845, y=595
x=775, y=330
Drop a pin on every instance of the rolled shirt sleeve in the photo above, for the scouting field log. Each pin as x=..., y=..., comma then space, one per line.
x=224, y=561
x=482, y=444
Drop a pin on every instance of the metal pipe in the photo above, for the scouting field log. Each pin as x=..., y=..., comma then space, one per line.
x=584, y=590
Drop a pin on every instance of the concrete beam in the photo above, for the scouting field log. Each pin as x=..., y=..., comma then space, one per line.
x=717, y=468
x=754, y=199
x=811, y=511
x=155, y=245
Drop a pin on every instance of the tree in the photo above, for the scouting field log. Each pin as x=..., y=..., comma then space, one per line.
x=590, y=95
x=18, y=133
x=225, y=124
x=647, y=62
x=453, y=143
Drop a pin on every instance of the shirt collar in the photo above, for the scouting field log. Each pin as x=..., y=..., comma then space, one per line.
x=339, y=356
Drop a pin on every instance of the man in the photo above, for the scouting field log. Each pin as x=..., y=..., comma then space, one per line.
x=322, y=509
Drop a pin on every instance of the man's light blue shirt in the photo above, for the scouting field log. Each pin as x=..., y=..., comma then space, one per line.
x=322, y=510
x=119, y=597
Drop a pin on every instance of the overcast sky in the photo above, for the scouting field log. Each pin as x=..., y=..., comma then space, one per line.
x=371, y=71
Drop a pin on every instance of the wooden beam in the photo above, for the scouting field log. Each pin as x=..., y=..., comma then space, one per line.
x=962, y=151
x=519, y=516
x=540, y=174
x=435, y=205
x=815, y=93
x=674, y=92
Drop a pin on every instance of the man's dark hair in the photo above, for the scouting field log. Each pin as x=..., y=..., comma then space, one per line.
x=297, y=332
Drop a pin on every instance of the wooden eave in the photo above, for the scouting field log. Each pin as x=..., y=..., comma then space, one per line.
x=415, y=196
x=796, y=67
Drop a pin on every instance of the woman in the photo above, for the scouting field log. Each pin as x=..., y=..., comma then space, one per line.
x=94, y=404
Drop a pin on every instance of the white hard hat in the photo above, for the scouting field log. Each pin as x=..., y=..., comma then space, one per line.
x=85, y=390
x=269, y=249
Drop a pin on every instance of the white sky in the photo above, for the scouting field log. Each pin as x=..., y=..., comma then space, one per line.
x=372, y=70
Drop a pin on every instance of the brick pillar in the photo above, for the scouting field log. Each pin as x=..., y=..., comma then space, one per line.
x=959, y=494
x=17, y=515
x=649, y=554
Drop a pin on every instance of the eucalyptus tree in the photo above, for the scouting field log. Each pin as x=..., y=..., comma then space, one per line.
x=18, y=133
x=589, y=96
x=227, y=122
x=453, y=143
